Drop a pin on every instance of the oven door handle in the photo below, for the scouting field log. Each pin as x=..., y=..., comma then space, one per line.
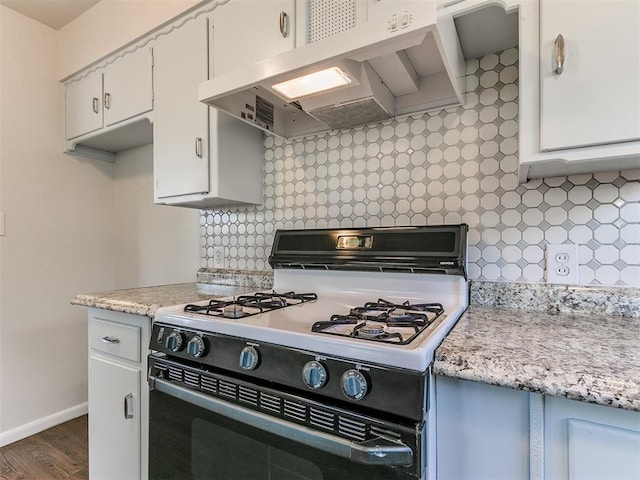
x=378, y=451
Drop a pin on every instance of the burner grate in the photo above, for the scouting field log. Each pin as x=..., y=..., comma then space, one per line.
x=248, y=305
x=382, y=321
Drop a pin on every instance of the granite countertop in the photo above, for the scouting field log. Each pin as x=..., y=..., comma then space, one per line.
x=589, y=357
x=146, y=300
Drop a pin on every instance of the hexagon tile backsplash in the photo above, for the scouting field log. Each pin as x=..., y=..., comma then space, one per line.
x=455, y=165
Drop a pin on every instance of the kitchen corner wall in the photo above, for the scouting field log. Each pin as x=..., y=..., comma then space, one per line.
x=455, y=165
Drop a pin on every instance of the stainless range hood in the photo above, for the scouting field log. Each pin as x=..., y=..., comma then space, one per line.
x=402, y=59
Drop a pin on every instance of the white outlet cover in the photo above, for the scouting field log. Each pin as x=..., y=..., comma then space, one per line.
x=562, y=264
x=218, y=257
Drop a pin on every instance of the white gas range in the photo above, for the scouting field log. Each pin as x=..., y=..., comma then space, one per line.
x=335, y=359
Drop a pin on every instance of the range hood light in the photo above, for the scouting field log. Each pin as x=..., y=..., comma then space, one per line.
x=311, y=83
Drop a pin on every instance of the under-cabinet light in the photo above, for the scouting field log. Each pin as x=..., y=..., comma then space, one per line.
x=311, y=83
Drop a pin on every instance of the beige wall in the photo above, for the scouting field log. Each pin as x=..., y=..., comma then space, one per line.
x=58, y=240
x=154, y=244
x=109, y=25
x=73, y=225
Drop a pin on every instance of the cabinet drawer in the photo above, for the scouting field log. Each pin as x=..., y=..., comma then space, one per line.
x=115, y=338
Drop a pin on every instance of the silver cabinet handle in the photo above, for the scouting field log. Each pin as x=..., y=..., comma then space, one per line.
x=199, y=147
x=95, y=104
x=128, y=406
x=559, y=55
x=107, y=101
x=377, y=451
x=110, y=340
x=284, y=24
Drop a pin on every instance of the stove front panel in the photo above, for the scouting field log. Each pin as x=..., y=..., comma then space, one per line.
x=396, y=392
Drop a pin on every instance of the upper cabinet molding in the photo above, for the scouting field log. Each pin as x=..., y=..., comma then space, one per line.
x=92, y=128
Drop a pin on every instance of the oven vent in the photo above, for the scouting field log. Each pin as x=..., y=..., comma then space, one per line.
x=295, y=410
x=352, y=428
x=384, y=433
x=321, y=418
x=270, y=402
x=192, y=379
x=175, y=374
x=209, y=384
x=160, y=366
x=227, y=389
x=248, y=395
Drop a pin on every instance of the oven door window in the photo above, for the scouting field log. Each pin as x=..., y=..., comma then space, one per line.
x=188, y=442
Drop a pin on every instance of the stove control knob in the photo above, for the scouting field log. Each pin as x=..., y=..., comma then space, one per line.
x=314, y=375
x=354, y=384
x=249, y=358
x=195, y=346
x=174, y=342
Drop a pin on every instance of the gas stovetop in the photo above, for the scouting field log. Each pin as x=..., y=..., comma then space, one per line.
x=385, y=296
x=354, y=315
x=402, y=331
x=247, y=305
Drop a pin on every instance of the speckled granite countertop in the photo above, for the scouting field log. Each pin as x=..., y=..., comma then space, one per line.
x=593, y=358
x=146, y=300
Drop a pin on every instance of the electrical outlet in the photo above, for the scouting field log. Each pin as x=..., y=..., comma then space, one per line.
x=562, y=264
x=219, y=256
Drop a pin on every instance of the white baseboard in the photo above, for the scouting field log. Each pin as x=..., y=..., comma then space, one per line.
x=37, y=426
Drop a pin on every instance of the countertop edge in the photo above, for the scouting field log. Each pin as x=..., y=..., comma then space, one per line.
x=579, y=357
x=449, y=368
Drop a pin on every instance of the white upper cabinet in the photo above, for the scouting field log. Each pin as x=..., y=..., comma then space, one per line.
x=181, y=130
x=247, y=31
x=84, y=105
x=107, y=109
x=128, y=87
x=579, y=102
x=201, y=158
x=595, y=99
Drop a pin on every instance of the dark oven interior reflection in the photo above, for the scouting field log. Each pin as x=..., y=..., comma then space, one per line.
x=190, y=443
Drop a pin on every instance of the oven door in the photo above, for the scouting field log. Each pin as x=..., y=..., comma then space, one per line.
x=196, y=436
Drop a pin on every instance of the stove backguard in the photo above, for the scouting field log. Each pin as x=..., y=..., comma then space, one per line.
x=421, y=249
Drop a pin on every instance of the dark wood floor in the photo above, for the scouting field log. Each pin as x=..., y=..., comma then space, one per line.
x=58, y=453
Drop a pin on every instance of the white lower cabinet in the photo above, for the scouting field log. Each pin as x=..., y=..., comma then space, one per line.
x=589, y=442
x=488, y=432
x=482, y=431
x=118, y=395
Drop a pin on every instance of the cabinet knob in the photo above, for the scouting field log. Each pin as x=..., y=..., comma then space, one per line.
x=559, y=54
x=110, y=340
x=284, y=24
x=95, y=104
x=107, y=101
x=199, y=147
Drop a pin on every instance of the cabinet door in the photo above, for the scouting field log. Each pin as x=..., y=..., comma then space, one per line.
x=83, y=101
x=128, y=86
x=596, y=99
x=247, y=31
x=114, y=420
x=590, y=442
x=181, y=128
x=482, y=431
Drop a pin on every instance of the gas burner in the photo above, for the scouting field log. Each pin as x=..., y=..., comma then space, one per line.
x=233, y=311
x=370, y=330
x=382, y=321
x=248, y=305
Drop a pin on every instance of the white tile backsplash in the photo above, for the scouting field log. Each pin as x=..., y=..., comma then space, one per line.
x=455, y=165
